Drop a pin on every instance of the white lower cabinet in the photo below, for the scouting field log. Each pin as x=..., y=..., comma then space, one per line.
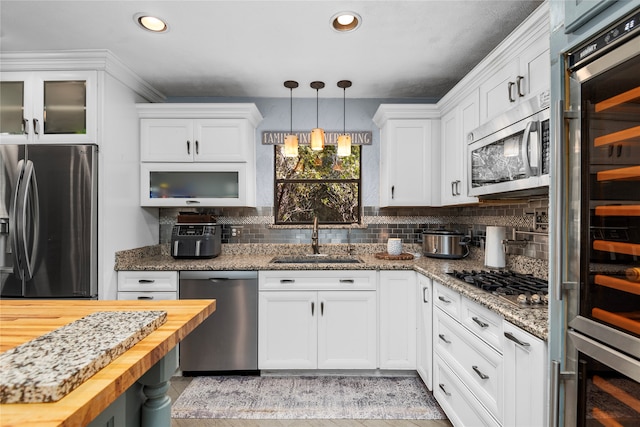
x=317, y=320
x=397, y=315
x=424, y=330
x=525, y=375
x=147, y=285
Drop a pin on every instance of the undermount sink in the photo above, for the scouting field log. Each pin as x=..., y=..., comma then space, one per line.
x=316, y=259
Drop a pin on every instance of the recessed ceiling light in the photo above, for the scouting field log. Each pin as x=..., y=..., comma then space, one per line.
x=151, y=23
x=345, y=21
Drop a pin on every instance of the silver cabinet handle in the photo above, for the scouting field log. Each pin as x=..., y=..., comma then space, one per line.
x=393, y=189
x=480, y=374
x=145, y=297
x=519, y=80
x=510, y=336
x=444, y=300
x=322, y=308
x=188, y=147
x=457, y=187
x=347, y=281
x=453, y=191
x=313, y=306
x=446, y=393
x=442, y=337
x=480, y=322
x=36, y=126
x=424, y=294
x=510, y=90
x=287, y=280
x=193, y=202
x=25, y=126
x=197, y=147
x=146, y=281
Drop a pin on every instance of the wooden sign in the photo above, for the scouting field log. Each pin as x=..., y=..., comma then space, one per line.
x=270, y=137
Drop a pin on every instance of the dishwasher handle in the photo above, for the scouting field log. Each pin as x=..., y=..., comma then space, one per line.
x=218, y=275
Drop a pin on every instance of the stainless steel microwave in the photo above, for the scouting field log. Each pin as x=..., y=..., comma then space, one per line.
x=509, y=156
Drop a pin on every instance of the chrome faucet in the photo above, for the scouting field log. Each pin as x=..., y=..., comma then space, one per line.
x=314, y=236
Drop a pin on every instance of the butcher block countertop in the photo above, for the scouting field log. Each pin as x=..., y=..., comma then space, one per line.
x=24, y=320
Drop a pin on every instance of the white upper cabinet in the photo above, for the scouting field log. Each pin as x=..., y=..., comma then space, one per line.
x=198, y=154
x=196, y=140
x=455, y=126
x=520, y=71
x=48, y=106
x=409, y=154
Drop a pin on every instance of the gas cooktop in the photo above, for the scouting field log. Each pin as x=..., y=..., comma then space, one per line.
x=522, y=290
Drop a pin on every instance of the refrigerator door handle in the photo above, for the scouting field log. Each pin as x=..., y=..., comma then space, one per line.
x=14, y=222
x=28, y=203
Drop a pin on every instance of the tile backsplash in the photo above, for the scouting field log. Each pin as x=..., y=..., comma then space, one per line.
x=524, y=220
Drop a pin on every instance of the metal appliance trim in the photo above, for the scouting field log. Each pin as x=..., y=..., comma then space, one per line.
x=611, y=59
x=619, y=361
x=606, y=334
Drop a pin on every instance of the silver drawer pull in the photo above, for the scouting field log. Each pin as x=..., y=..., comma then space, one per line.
x=480, y=322
x=287, y=281
x=442, y=337
x=480, y=374
x=145, y=297
x=145, y=281
x=510, y=336
x=444, y=300
x=347, y=281
x=444, y=390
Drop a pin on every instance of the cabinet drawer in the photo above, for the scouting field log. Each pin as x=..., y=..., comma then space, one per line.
x=317, y=280
x=145, y=281
x=462, y=408
x=147, y=295
x=483, y=322
x=477, y=364
x=447, y=299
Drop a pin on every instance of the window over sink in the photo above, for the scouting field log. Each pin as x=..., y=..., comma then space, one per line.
x=317, y=183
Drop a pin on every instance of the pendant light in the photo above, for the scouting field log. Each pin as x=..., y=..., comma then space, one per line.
x=291, y=140
x=344, y=140
x=317, y=134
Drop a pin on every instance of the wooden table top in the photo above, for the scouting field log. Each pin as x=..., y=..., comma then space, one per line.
x=23, y=320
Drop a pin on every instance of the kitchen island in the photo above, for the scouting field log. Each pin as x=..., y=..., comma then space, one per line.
x=116, y=391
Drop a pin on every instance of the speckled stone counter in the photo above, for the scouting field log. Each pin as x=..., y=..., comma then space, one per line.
x=47, y=368
x=258, y=257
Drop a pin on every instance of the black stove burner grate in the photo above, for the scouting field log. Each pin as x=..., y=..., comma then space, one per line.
x=518, y=288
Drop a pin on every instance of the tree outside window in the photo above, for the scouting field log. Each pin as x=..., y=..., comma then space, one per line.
x=317, y=183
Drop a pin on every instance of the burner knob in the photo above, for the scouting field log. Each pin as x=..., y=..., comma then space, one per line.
x=545, y=298
x=535, y=299
x=522, y=299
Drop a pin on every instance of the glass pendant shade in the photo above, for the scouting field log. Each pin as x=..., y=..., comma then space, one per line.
x=290, y=146
x=317, y=139
x=344, y=146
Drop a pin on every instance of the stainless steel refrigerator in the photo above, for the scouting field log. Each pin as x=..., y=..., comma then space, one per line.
x=48, y=221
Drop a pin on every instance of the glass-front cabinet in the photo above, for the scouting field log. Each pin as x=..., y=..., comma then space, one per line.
x=37, y=107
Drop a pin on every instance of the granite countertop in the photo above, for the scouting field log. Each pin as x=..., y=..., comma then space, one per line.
x=258, y=257
x=47, y=368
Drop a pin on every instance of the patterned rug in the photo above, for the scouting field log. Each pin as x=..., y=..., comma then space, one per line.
x=306, y=397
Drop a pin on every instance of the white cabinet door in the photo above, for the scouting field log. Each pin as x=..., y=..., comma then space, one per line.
x=221, y=140
x=525, y=379
x=347, y=330
x=49, y=106
x=166, y=140
x=407, y=147
x=397, y=317
x=498, y=92
x=424, y=359
x=287, y=330
x=451, y=156
x=535, y=68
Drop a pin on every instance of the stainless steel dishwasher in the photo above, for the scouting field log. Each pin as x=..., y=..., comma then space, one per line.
x=228, y=339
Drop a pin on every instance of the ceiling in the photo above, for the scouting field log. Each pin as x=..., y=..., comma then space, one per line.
x=403, y=49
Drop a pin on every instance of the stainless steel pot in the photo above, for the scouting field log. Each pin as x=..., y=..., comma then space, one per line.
x=444, y=244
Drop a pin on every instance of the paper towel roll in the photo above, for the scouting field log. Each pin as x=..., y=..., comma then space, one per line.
x=493, y=250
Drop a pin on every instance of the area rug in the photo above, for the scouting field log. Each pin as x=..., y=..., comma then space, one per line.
x=307, y=397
